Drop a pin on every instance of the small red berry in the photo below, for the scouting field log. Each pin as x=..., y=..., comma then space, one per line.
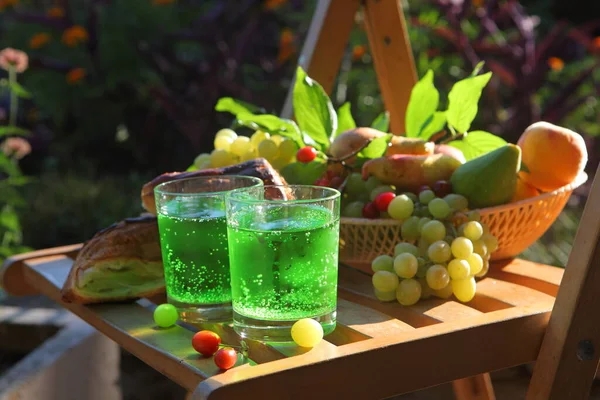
x=382, y=201
x=225, y=358
x=370, y=211
x=206, y=342
x=442, y=188
x=306, y=154
x=336, y=181
x=423, y=188
x=322, y=182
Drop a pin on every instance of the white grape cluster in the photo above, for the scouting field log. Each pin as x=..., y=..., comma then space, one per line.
x=232, y=149
x=435, y=258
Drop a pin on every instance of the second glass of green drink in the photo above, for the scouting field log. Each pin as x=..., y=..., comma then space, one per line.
x=193, y=238
x=283, y=254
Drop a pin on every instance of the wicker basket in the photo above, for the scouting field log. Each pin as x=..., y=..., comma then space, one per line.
x=516, y=225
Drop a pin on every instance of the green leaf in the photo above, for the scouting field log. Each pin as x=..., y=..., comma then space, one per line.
x=478, y=68
x=9, y=219
x=424, y=101
x=12, y=130
x=345, y=120
x=19, y=90
x=433, y=125
x=192, y=168
x=313, y=109
x=377, y=147
x=382, y=122
x=304, y=173
x=8, y=166
x=236, y=107
x=273, y=125
x=463, y=99
x=477, y=143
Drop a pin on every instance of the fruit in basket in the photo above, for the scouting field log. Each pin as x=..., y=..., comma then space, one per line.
x=524, y=191
x=450, y=151
x=411, y=171
x=554, y=156
x=489, y=180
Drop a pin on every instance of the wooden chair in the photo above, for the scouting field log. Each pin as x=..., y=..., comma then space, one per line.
x=521, y=313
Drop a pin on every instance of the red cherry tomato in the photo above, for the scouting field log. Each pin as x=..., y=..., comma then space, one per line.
x=322, y=182
x=306, y=154
x=370, y=211
x=423, y=188
x=382, y=201
x=206, y=342
x=225, y=358
x=442, y=188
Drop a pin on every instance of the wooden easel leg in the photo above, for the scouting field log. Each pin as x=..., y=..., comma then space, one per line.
x=325, y=44
x=477, y=387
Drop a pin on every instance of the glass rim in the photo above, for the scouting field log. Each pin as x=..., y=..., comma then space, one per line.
x=158, y=188
x=334, y=194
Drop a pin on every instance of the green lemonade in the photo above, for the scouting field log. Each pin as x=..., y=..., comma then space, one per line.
x=284, y=262
x=195, y=257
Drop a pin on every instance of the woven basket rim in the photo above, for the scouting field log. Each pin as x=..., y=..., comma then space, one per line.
x=580, y=180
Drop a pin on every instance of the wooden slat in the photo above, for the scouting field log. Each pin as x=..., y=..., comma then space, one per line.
x=514, y=294
x=368, y=321
x=392, y=57
x=477, y=387
x=570, y=353
x=325, y=44
x=543, y=278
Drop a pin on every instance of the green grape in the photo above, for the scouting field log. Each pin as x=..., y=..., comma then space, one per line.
x=223, y=143
x=201, y=161
x=472, y=230
x=422, y=268
x=279, y=162
x=426, y=291
x=220, y=158
x=228, y=133
x=464, y=289
x=433, y=231
x=437, y=277
x=456, y=201
x=439, y=208
x=475, y=263
x=426, y=196
x=490, y=242
x=421, y=211
x=404, y=247
x=383, y=263
x=405, y=265
x=449, y=239
x=165, y=315
x=480, y=248
x=401, y=207
x=307, y=332
x=240, y=145
x=461, y=247
x=410, y=229
x=385, y=296
x=372, y=183
x=423, y=246
x=355, y=184
x=258, y=137
x=459, y=269
x=353, y=209
x=251, y=155
x=444, y=293
x=408, y=292
x=411, y=196
x=439, y=252
x=268, y=149
x=422, y=222
x=461, y=230
x=474, y=216
x=287, y=149
x=277, y=139
x=378, y=190
x=484, y=269
x=385, y=281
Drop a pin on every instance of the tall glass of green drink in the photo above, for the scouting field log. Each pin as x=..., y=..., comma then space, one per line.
x=283, y=255
x=193, y=238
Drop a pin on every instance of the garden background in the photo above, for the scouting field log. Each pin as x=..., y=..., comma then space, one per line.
x=119, y=91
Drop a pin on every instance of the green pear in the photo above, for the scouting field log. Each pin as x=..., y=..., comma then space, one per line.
x=489, y=180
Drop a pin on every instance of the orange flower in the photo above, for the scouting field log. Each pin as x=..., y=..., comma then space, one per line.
x=75, y=75
x=286, y=37
x=358, y=51
x=17, y=147
x=273, y=4
x=478, y=3
x=596, y=42
x=39, y=40
x=74, y=35
x=162, y=2
x=287, y=48
x=56, y=12
x=11, y=57
x=556, y=64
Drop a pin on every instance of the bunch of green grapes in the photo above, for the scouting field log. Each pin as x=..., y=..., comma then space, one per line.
x=232, y=149
x=434, y=260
